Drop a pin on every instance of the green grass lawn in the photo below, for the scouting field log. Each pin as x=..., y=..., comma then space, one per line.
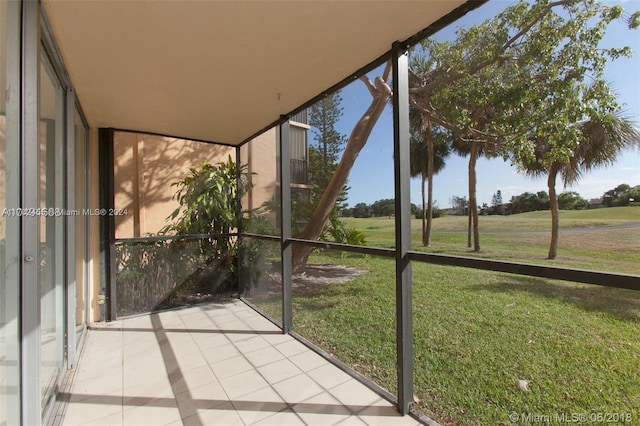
x=602, y=239
x=476, y=333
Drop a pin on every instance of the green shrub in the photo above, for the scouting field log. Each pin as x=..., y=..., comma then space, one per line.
x=338, y=232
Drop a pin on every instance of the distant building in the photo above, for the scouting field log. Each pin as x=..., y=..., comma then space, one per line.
x=596, y=203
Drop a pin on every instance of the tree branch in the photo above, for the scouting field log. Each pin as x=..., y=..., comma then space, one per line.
x=387, y=71
x=429, y=114
x=373, y=89
x=450, y=78
x=370, y=86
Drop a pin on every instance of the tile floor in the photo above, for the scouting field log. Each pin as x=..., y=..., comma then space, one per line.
x=216, y=364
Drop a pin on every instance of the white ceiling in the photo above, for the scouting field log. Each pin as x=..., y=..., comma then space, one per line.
x=221, y=70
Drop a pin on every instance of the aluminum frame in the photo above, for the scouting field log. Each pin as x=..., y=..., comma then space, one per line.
x=605, y=279
x=10, y=303
x=86, y=176
x=107, y=224
x=87, y=236
x=31, y=407
x=56, y=227
x=70, y=227
x=74, y=336
x=404, y=315
x=239, y=219
x=285, y=226
x=37, y=41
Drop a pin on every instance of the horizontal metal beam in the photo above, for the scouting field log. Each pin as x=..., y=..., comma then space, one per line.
x=174, y=237
x=374, y=251
x=274, y=238
x=607, y=279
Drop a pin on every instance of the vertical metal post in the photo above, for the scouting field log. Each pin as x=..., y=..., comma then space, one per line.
x=404, y=342
x=107, y=223
x=285, y=225
x=71, y=227
x=58, y=232
x=30, y=326
x=88, y=183
x=240, y=228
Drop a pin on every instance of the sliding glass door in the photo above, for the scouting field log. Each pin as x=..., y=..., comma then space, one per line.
x=51, y=230
x=9, y=224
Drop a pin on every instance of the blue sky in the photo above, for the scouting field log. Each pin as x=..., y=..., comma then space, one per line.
x=372, y=176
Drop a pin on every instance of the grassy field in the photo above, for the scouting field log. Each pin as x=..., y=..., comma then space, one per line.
x=602, y=239
x=476, y=333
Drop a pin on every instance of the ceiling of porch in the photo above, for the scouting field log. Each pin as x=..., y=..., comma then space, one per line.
x=221, y=70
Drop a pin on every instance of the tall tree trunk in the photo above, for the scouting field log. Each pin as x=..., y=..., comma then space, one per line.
x=473, y=202
x=424, y=210
x=381, y=94
x=555, y=213
x=430, y=165
x=469, y=223
x=429, y=212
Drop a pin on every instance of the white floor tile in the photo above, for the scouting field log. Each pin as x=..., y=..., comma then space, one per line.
x=191, y=368
x=322, y=410
x=283, y=418
x=243, y=384
x=308, y=360
x=355, y=395
x=142, y=393
x=220, y=353
x=231, y=367
x=252, y=344
x=151, y=415
x=279, y=371
x=259, y=405
x=264, y=356
x=291, y=347
x=223, y=414
x=329, y=376
x=297, y=389
x=210, y=340
x=92, y=410
x=191, y=379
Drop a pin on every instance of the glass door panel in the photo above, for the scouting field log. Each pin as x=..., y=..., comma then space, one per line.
x=51, y=230
x=9, y=222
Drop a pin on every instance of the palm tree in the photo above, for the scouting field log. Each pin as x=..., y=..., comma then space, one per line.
x=428, y=149
x=475, y=148
x=602, y=140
